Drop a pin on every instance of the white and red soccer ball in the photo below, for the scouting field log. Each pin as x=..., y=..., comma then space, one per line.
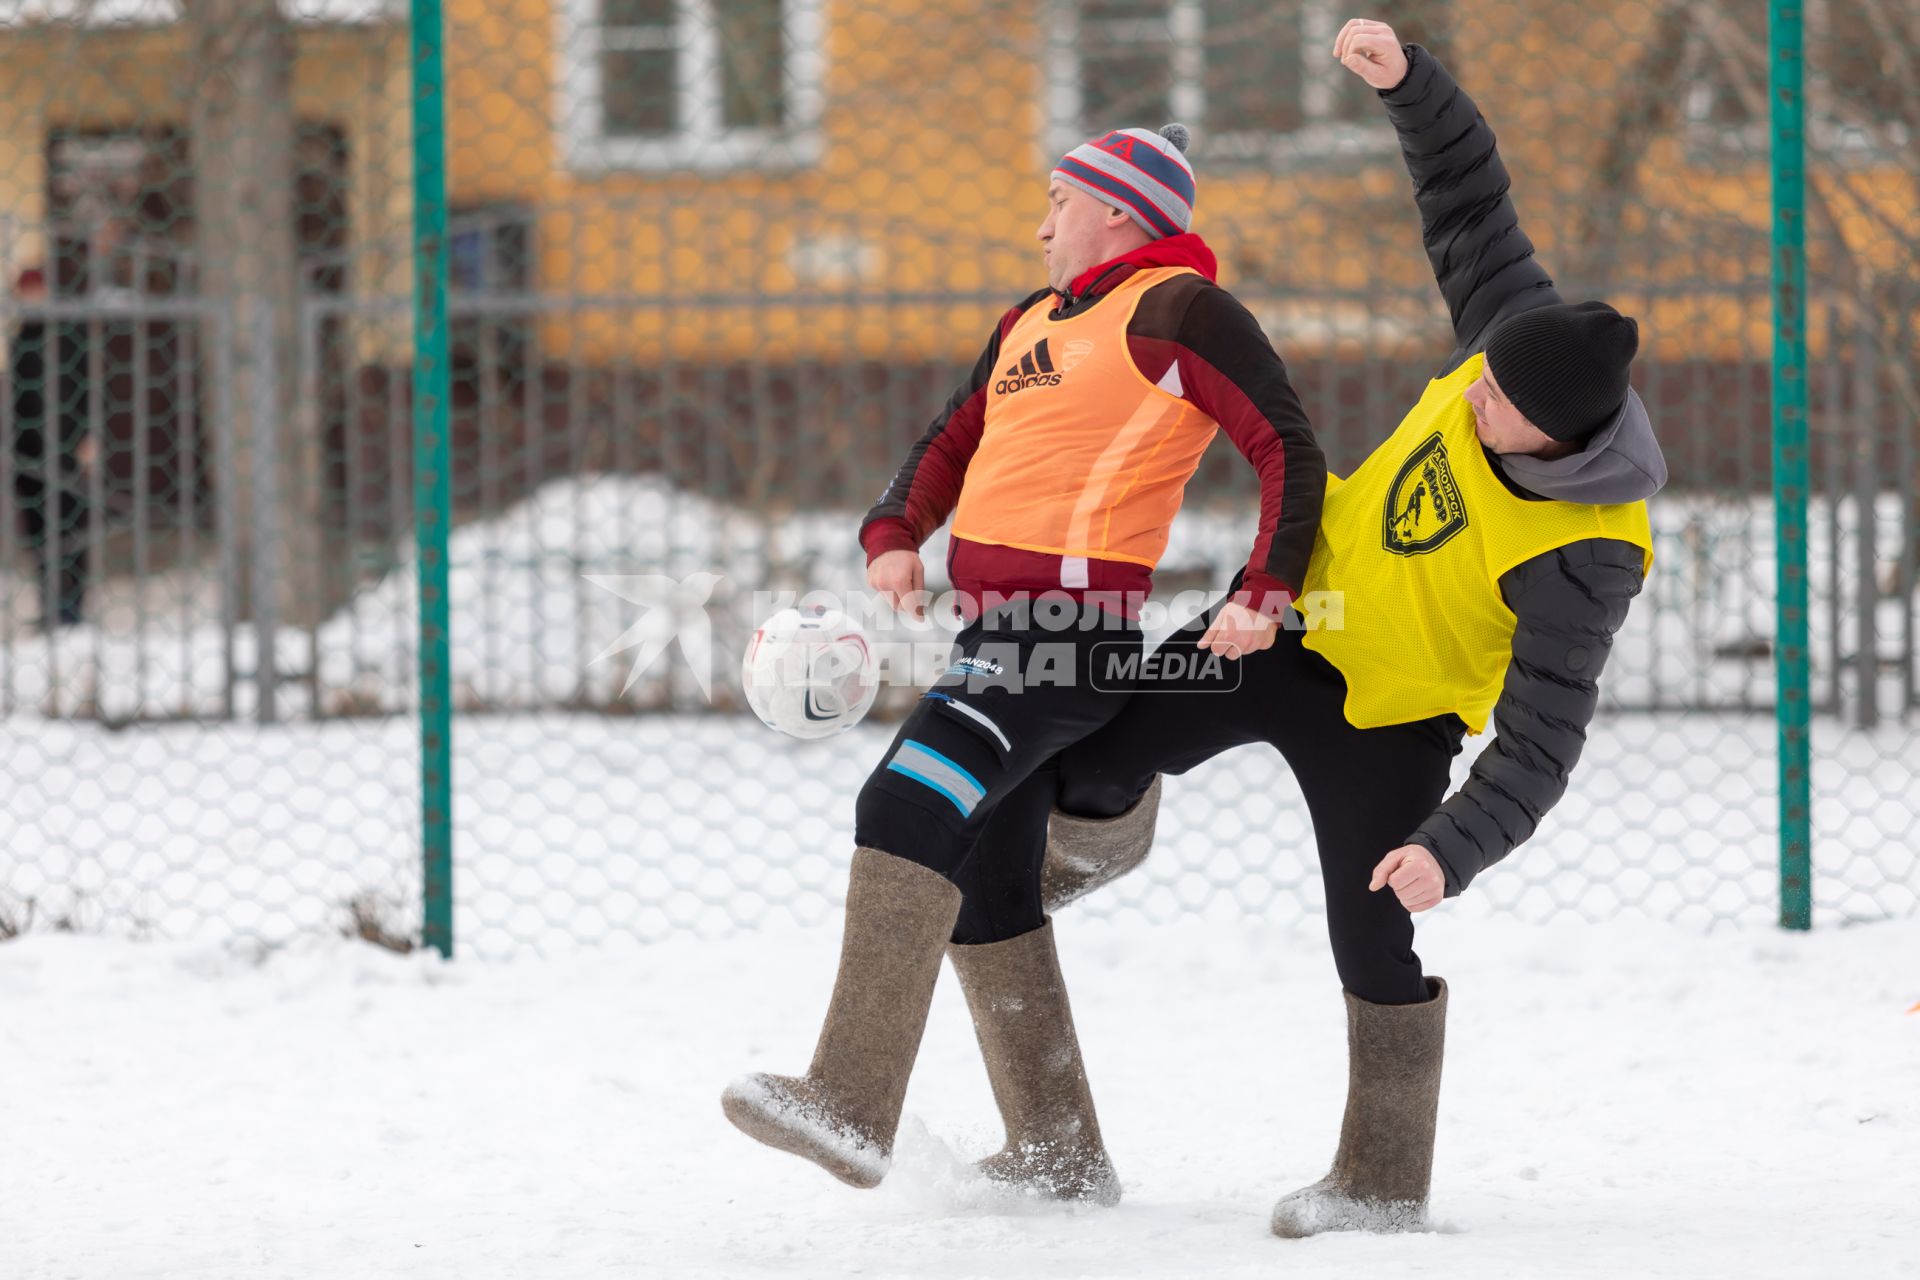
x=810, y=673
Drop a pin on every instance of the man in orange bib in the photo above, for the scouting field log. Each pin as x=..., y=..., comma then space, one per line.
x=1485, y=555
x=1062, y=460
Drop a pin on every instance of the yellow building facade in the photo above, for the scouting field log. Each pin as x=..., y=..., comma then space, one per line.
x=876, y=196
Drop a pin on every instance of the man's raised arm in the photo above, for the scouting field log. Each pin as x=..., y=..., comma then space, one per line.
x=1482, y=259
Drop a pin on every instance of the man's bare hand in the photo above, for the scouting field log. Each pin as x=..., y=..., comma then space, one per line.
x=1238, y=631
x=902, y=579
x=1414, y=877
x=1371, y=51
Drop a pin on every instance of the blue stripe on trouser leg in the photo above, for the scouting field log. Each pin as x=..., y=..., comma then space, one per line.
x=928, y=767
x=906, y=816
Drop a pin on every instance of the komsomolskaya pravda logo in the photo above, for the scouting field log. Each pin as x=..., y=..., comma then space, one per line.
x=1423, y=503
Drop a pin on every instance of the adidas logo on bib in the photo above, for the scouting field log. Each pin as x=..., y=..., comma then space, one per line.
x=1034, y=369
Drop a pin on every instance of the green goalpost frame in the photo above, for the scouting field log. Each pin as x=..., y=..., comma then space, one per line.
x=1785, y=24
x=432, y=481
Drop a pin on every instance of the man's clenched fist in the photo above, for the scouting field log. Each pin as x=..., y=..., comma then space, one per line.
x=1371, y=51
x=1413, y=875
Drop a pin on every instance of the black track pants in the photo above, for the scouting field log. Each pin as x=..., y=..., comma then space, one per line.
x=1026, y=683
x=1367, y=790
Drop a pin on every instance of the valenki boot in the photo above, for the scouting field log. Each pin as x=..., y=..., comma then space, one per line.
x=1382, y=1169
x=1021, y=1016
x=1085, y=853
x=842, y=1114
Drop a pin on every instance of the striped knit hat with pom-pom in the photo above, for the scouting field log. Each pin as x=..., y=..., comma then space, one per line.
x=1142, y=173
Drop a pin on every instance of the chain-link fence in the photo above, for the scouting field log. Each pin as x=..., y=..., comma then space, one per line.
x=711, y=267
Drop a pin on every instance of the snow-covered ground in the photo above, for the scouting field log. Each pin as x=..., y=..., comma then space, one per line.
x=1628, y=1099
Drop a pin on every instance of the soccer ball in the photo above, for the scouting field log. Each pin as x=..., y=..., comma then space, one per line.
x=810, y=673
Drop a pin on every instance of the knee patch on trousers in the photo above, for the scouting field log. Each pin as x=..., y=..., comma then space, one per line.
x=939, y=773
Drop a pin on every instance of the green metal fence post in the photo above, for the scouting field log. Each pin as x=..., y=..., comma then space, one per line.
x=432, y=482
x=1785, y=23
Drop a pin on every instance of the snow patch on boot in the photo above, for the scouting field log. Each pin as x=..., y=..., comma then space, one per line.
x=794, y=1115
x=1064, y=1169
x=1085, y=853
x=1325, y=1207
x=1086, y=861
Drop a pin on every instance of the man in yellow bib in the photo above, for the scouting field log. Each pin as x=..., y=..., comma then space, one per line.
x=1062, y=459
x=1486, y=554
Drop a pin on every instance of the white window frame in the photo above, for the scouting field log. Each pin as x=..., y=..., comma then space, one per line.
x=1318, y=139
x=704, y=142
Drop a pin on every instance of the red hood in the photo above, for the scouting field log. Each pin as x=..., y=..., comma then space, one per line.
x=1183, y=250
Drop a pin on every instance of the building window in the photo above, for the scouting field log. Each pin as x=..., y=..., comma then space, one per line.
x=1856, y=96
x=490, y=250
x=1256, y=78
x=120, y=205
x=489, y=275
x=690, y=84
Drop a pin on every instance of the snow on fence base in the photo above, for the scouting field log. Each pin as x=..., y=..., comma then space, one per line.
x=593, y=831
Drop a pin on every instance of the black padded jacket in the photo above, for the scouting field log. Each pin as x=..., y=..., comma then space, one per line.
x=1570, y=602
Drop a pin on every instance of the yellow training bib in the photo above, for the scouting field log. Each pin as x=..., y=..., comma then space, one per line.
x=1415, y=542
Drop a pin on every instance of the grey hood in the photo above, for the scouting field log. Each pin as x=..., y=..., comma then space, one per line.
x=1621, y=463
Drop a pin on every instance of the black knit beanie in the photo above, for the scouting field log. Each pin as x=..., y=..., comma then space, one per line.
x=1565, y=366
